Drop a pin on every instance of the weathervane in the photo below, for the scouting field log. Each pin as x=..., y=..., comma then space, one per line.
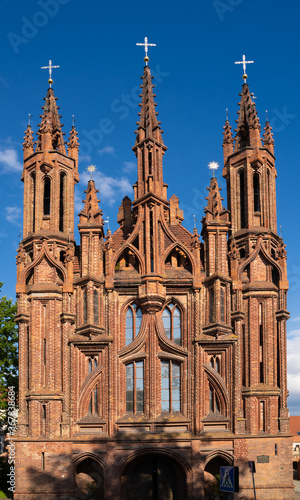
x=195, y=220
x=91, y=169
x=29, y=119
x=73, y=120
x=146, y=45
x=244, y=62
x=50, y=67
x=213, y=165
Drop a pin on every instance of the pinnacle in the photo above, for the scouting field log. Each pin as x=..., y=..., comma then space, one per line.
x=50, y=124
x=268, y=140
x=91, y=214
x=28, y=139
x=148, y=126
x=214, y=201
x=228, y=138
x=73, y=139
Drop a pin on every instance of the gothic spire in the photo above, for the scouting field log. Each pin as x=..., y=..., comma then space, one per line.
x=73, y=144
x=248, y=126
x=91, y=214
x=148, y=126
x=227, y=140
x=28, y=144
x=50, y=135
x=268, y=137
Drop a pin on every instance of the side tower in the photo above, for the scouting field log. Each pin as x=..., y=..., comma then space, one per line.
x=45, y=288
x=257, y=259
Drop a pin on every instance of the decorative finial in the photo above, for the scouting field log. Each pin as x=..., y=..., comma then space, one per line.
x=244, y=62
x=195, y=220
x=107, y=222
x=213, y=165
x=267, y=119
x=29, y=119
x=50, y=67
x=73, y=120
x=146, y=45
x=227, y=114
x=91, y=169
x=280, y=231
x=20, y=234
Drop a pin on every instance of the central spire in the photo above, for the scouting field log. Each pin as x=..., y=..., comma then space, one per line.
x=50, y=135
x=149, y=147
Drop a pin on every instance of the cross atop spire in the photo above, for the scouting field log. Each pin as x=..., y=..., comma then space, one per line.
x=146, y=45
x=244, y=62
x=50, y=67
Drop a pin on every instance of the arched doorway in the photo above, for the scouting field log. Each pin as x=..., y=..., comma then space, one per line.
x=212, y=476
x=153, y=477
x=89, y=480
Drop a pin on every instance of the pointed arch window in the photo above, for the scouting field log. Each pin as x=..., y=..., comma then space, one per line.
x=47, y=195
x=171, y=318
x=256, y=192
x=133, y=323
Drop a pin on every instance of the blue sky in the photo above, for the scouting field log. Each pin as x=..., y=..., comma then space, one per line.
x=196, y=80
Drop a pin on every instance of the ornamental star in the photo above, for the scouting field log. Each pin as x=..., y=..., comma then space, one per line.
x=91, y=169
x=213, y=165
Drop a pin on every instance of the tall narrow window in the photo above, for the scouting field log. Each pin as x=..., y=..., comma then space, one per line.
x=170, y=386
x=61, y=200
x=93, y=407
x=222, y=304
x=133, y=323
x=96, y=308
x=151, y=242
x=85, y=305
x=242, y=198
x=256, y=192
x=33, y=201
x=210, y=305
x=172, y=323
x=47, y=195
x=214, y=404
x=150, y=162
x=262, y=417
x=261, y=345
x=135, y=387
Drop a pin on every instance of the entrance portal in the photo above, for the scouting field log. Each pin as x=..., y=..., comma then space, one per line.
x=89, y=479
x=154, y=477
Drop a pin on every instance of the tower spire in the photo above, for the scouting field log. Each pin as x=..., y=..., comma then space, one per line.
x=149, y=146
x=248, y=126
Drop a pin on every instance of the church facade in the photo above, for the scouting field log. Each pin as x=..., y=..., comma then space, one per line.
x=151, y=356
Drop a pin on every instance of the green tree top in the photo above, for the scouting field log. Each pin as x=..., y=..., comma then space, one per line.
x=8, y=348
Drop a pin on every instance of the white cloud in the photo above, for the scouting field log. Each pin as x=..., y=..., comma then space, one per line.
x=129, y=166
x=84, y=158
x=14, y=215
x=106, y=150
x=293, y=366
x=110, y=188
x=9, y=160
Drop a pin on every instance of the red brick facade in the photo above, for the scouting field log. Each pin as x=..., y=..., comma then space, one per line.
x=148, y=358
